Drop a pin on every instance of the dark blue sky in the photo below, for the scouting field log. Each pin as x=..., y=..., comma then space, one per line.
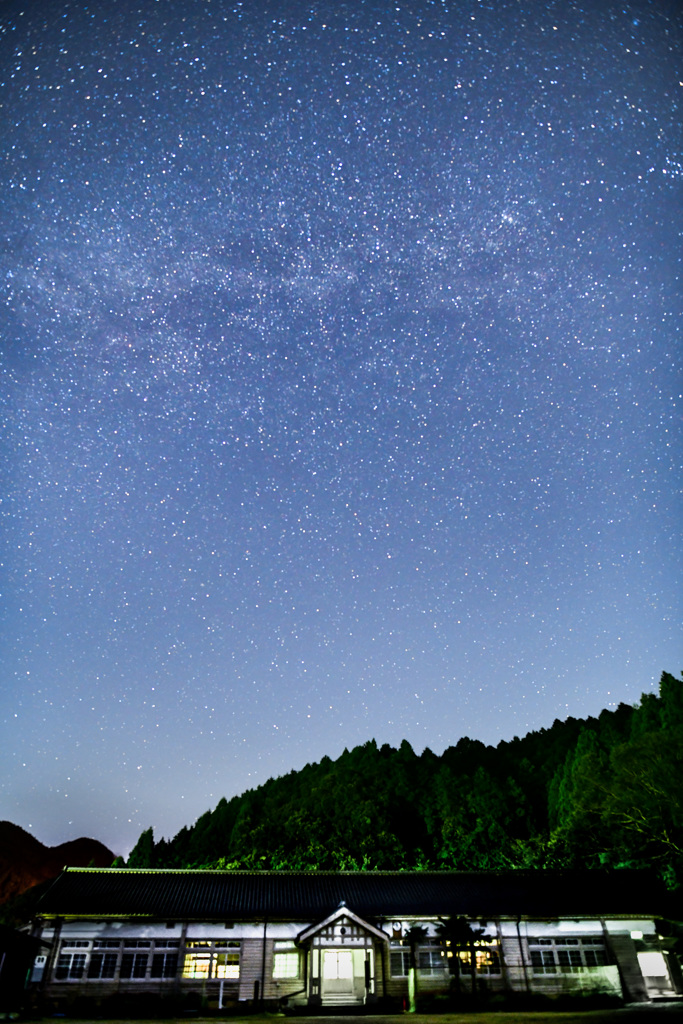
x=339, y=361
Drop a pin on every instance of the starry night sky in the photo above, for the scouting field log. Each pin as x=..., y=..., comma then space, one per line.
x=339, y=372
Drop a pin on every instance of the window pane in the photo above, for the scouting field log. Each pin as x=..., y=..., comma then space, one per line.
x=399, y=963
x=196, y=965
x=63, y=965
x=102, y=965
x=70, y=965
x=164, y=965
x=543, y=961
x=133, y=965
x=286, y=965
x=488, y=960
x=431, y=961
x=227, y=965
x=568, y=954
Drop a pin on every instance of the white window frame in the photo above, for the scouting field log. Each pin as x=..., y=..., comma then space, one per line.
x=571, y=954
x=71, y=966
x=399, y=952
x=138, y=961
x=286, y=961
x=431, y=961
x=221, y=956
x=286, y=964
x=483, y=951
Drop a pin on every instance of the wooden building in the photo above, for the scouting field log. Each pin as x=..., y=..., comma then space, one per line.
x=321, y=939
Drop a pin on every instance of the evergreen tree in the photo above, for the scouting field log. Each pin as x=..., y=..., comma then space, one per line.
x=142, y=854
x=603, y=791
x=671, y=696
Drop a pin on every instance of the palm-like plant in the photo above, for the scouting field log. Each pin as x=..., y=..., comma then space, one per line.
x=455, y=934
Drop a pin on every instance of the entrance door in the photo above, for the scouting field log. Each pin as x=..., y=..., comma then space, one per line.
x=337, y=977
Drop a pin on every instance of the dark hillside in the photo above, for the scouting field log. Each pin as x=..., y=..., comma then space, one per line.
x=25, y=862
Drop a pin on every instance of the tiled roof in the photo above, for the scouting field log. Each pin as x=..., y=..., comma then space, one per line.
x=310, y=896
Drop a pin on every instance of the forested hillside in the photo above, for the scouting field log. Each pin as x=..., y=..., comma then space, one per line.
x=603, y=791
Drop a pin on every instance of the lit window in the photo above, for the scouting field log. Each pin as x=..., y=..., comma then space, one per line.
x=286, y=965
x=208, y=959
x=226, y=965
x=487, y=959
x=197, y=965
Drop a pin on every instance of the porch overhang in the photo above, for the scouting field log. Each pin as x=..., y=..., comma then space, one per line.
x=334, y=919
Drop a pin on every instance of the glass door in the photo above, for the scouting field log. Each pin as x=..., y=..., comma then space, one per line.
x=337, y=972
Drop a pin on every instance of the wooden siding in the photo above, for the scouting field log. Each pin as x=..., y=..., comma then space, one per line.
x=279, y=988
x=251, y=968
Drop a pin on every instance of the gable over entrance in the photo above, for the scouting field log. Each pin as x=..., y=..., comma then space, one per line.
x=342, y=927
x=342, y=955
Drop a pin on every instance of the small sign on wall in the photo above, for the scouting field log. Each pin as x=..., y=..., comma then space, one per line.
x=38, y=968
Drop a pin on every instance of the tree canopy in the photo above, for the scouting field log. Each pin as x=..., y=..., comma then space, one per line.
x=598, y=792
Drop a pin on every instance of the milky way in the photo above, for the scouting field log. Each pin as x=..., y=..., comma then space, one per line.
x=339, y=362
